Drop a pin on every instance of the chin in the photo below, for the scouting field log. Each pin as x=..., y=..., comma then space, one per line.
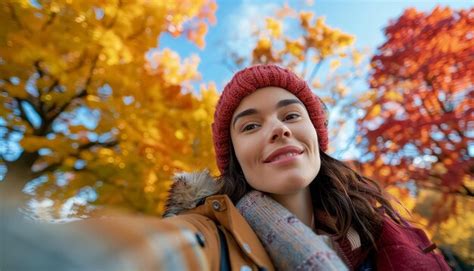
x=293, y=184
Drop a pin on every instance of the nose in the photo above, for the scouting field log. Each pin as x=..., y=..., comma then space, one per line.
x=280, y=130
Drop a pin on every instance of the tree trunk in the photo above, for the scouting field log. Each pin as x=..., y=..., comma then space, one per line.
x=19, y=173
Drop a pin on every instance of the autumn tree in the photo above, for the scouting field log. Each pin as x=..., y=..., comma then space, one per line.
x=420, y=110
x=416, y=130
x=324, y=56
x=94, y=106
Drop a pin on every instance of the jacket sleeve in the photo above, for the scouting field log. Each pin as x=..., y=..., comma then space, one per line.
x=125, y=243
x=290, y=244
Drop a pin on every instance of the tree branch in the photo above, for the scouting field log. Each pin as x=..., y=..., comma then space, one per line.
x=456, y=192
x=138, y=32
x=50, y=20
x=40, y=110
x=114, y=18
x=468, y=191
x=11, y=129
x=53, y=85
x=54, y=166
x=447, y=191
x=81, y=94
x=101, y=144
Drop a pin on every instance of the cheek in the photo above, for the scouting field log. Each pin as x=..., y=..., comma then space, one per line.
x=312, y=136
x=245, y=150
x=307, y=135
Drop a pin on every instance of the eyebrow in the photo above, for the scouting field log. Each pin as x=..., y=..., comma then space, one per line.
x=252, y=111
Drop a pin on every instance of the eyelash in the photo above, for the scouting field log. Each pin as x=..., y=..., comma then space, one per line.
x=296, y=114
x=291, y=114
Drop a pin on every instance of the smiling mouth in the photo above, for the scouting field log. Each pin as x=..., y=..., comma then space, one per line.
x=285, y=157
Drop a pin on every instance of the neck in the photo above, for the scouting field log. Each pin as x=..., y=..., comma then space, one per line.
x=299, y=204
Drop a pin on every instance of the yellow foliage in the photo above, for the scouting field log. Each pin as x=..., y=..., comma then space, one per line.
x=334, y=64
x=374, y=112
x=168, y=64
x=305, y=18
x=357, y=57
x=274, y=27
x=295, y=48
x=402, y=196
x=393, y=96
x=456, y=233
x=150, y=123
x=264, y=43
x=305, y=49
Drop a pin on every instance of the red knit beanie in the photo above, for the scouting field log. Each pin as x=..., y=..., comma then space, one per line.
x=244, y=83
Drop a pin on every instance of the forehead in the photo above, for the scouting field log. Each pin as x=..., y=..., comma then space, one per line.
x=264, y=97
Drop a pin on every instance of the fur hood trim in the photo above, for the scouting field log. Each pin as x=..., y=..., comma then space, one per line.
x=189, y=190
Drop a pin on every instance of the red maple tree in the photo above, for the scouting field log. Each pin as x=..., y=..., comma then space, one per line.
x=419, y=116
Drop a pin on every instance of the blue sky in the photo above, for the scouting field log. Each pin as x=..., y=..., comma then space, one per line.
x=364, y=19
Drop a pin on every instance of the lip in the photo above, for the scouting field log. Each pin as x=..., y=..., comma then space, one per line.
x=283, y=150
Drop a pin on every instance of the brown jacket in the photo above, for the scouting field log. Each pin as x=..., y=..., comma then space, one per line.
x=194, y=206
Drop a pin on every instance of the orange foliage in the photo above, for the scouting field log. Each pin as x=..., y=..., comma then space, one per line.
x=420, y=114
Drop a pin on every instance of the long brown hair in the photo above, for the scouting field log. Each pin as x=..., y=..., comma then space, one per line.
x=337, y=191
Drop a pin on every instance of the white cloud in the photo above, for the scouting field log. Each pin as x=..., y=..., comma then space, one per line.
x=245, y=20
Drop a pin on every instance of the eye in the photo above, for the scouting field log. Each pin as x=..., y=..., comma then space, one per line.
x=292, y=116
x=249, y=127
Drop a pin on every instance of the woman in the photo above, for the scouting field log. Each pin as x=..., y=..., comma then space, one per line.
x=270, y=137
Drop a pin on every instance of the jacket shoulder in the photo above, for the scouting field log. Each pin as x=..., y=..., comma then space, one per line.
x=404, y=247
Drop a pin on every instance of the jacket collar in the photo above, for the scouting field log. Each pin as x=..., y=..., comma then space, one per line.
x=197, y=193
x=189, y=190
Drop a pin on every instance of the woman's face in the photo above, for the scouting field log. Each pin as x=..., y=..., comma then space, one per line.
x=275, y=142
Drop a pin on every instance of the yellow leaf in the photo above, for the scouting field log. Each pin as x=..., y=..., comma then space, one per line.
x=274, y=27
x=305, y=18
x=295, y=48
x=264, y=43
x=179, y=134
x=357, y=57
x=439, y=168
x=334, y=64
x=375, y=111
x=394, y=96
